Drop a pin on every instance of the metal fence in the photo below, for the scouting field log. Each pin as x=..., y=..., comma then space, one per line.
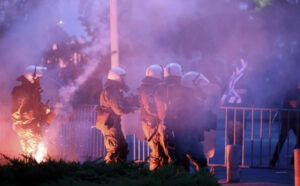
x=256, y=130
x=78, y=135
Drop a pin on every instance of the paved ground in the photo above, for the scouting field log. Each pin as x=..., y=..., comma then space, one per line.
x=257, y=177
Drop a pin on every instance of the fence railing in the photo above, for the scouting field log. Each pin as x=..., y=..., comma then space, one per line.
x=78, y=135
x=256, y=130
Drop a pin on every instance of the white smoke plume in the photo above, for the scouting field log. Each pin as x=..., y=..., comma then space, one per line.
x=27, y=37
x=211, y=37
x=206, y=36
x=98, y=11
x=24, y=36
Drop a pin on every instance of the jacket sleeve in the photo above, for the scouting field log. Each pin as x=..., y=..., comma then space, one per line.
x=118, y=103
x=21, y=112
x=15, y=100
x=20, y=101
x=160, y=102
x=288, y=97
x=148, y=103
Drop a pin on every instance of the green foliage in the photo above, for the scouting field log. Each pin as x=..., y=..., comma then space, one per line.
x=29, y=172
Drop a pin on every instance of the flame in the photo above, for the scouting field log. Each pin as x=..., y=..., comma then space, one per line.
x=41, y=152
x=31, y=144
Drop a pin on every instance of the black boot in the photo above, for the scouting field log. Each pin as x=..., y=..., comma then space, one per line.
x=292, y=161
x=272, y=163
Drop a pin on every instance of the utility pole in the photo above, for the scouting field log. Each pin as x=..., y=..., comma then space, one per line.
x=114, y=41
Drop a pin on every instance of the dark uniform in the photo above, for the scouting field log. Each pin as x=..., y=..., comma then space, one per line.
x=151, y=121
x=185, y=122
x=165, y=94
x=290, y=121
x=113, y=102
x=29, y=114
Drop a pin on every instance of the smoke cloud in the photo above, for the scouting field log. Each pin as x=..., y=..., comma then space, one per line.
x=205, y=36
x=25, y=41
x=211, y=37
x=22, y=43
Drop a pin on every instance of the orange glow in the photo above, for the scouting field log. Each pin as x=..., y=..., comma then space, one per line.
x=62, y=64
x=31, y=145
x=41, y=152
x=293, y=104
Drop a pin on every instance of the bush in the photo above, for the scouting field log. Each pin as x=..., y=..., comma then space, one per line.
x=28, y=172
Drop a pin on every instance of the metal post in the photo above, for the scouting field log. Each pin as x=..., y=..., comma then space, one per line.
x=234, y=126
x=225, y=141
x=232, y=165
x=84, y=134
x=252, y=135
x=297, y=166
x=139, y=149
x=114, y=45
x=243, y=144
x=260, y=137
x=89, y=131
x=94, y=142
x=134, y=156
x=296, y=162
x=72, y=135
x=297, y=126
x=88, y=141
x=97, y=144
x=94, y=122
x=279, y=131
x=79, y=132
x=288, y=142
x=270, y=134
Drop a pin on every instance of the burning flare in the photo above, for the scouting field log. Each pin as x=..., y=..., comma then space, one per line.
x=32, y=146
x=41, y=153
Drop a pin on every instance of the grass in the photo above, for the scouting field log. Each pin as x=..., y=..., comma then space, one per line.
x=27, y=171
